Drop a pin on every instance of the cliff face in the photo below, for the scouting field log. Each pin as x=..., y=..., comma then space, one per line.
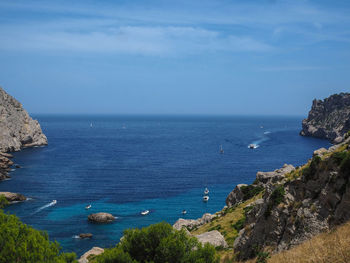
x=17, y=128
x=297, y=203
x=328, y=119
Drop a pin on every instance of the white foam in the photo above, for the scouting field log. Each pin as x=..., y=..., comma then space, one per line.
x=45, y=206
x=75, y=236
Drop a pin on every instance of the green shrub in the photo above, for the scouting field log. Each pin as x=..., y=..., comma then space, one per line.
x=158, y=243
x=276, y=198
x=309, y=171
x=345, y=165
x=262, y=257
x=239, y=224
x=338, y=157
x=217, y=227
x=250, y=191
x=22, y=243
x=3, y=201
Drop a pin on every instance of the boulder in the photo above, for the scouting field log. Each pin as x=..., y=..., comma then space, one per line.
x=320, y=152
x=275, y=176
x=94, y=251
x=214, y=238
x=101, y=218
x=190, y=223
x=85, y=235
x=13, y=197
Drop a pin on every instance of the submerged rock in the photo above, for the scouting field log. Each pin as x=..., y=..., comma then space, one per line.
x=213, y=238
x=101, y=218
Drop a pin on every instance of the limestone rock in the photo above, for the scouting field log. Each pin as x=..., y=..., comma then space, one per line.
x=94, y=251
x=85, y=235
x=190, y=223
x=17, y=128
x=275, y=176
x=328, y=119
x=236, y=196
x=320, y=152
x=13, y=197
x=214, y=238
x=101, y=218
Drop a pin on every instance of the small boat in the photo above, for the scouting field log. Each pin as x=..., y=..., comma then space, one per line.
x=252, y=146
x=91, y=125
x=206, y=191
x=184, y=212
x=54, y=202
x=146, y=212
x=205, y=198
x=221, y=150
x=87, y=207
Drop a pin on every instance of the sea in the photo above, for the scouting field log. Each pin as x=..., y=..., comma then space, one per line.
x=124, y=165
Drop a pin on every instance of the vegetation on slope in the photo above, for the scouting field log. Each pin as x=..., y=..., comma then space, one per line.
x=158, y=243
x=22, y=243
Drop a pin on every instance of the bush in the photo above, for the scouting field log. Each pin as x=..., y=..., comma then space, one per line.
x=345, y=164
x=276, y=198
x=250, y=191
x=239, y=224
x=310, y=171
x=338, y=157
x=158, y=243
x=3, y=201
x=22, y=243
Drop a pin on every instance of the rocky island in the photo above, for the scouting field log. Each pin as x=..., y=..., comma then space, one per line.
x=329, y=118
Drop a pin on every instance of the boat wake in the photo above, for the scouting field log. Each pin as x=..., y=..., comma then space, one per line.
x=45, y=206
x=255, y=144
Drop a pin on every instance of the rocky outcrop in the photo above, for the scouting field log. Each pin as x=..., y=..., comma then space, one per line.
x=85, y=235
x=236, y=196
x=5, y=164
x=299, y=204
x=191, y=223
x=17, y=128
x=101, y=218
x=264, y=178
x=328, y=119
x=213, y=238
x=13, y=197
x=92, y=252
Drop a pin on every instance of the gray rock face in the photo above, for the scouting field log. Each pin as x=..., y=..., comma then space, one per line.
x=275, y=176
x=328, y=119
x=311, y=204
x=191, y=223
x=236, y=196
x=17, y=128
x=101, y=218
x=214, y=238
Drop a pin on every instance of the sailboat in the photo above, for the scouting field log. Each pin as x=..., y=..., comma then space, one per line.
x=221, y=150
x=206, y=191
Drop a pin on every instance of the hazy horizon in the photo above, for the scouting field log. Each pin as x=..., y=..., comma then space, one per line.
x=180, y=58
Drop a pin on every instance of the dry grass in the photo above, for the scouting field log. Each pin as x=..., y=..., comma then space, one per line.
x=330, y=247
x=224, y=223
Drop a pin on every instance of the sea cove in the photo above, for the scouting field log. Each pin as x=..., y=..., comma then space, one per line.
x=126, y=164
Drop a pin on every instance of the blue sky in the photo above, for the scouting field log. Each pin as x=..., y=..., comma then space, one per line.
x=174, y=57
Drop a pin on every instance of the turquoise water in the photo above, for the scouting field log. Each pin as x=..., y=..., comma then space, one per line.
x=126, y=164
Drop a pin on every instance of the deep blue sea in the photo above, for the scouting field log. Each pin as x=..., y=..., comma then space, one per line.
x=126, y=164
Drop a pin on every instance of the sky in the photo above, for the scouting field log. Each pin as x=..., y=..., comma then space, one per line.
x=248, y=57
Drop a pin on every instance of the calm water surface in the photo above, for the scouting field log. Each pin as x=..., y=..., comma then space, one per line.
x=126, y=164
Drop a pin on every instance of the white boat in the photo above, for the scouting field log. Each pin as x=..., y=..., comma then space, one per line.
x=91, y=125
x=87, y=207
x=221, y=150
x=252, y=146
x=206, y=191
x=54, y=202
x=184, y=212
x=205, y=198
x=146, y=212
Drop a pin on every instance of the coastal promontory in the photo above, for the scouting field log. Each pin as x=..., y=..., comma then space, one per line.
x=328, y=118
x=17, y=129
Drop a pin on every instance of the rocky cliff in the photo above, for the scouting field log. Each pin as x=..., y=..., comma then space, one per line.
x=328, y=119
x=297, y=203
x=17, y=128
